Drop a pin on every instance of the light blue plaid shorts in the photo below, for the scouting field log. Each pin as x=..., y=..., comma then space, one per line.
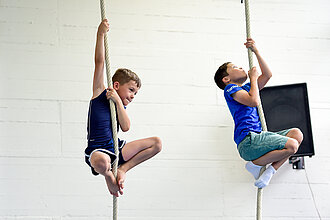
x=255, y=145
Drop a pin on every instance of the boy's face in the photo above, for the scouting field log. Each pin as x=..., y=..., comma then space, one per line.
x=126, y=91
x=236, y=74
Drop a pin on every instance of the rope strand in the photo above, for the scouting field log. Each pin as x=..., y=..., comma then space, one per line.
x=112, y=109
x=260, y=111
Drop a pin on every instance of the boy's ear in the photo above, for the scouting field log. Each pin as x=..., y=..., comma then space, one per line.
x=226, y=79
x=116, y=85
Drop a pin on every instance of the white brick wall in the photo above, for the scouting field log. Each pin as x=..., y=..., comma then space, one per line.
x=46, y=66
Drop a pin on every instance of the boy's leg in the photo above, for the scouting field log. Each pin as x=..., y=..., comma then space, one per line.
x=297, y=135
x=278, y=157
x=295, y=139
x=136, y=152
x=102, y=164
x=289, y=149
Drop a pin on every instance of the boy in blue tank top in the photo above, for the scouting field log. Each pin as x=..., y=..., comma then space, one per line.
x=99, y=154
x=257, y=147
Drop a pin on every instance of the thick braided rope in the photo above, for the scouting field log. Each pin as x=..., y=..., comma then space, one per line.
x=260, y=111
x=112, y=108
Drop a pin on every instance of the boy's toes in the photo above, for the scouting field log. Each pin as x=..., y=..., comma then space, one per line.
x=121, y=184
x=115, y=194
x=121, y=192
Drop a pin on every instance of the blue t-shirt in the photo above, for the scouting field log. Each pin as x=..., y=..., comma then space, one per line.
x=99, y=127
x=246, y=118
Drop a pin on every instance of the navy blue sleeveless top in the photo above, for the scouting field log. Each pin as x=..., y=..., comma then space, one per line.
x=99, y=129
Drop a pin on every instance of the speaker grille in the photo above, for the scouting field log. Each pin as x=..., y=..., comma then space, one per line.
x=286, y=107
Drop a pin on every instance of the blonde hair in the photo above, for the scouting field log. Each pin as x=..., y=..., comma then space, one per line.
x=125, y=75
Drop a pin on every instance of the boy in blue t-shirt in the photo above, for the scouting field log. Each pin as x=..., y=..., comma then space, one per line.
x=99, y=154
x=254, y=145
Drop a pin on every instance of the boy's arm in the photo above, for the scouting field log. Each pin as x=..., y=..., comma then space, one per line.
x=98, y=80
x=123, y=118
x=266, y=73
x=250, y=98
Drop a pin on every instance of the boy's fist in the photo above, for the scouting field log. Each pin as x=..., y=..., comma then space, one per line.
x=113, y=95
x=103, y=27
x=253, y=73
x=250, y=43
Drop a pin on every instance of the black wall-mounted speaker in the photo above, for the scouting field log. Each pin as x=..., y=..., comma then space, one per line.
x=287, y=106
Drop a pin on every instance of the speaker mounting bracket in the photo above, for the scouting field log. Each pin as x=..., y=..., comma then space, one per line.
x=297, y=162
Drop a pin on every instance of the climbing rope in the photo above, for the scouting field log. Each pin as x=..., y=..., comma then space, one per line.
x=112, y=108
x=260, y=111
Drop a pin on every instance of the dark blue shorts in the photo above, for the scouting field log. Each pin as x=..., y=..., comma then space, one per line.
x=107, y=148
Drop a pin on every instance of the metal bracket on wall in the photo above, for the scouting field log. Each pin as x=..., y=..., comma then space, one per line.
x=297, y=162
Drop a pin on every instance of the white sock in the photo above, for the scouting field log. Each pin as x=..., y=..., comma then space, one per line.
x=253, y=169
x=265, y=178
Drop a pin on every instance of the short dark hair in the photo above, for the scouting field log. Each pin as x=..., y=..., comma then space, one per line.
x=125, y=75
x=221, y=72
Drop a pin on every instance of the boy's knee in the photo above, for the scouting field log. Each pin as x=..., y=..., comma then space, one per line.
x=297, y=134
x=157, y=144
x=100, y=165
x=292, y=145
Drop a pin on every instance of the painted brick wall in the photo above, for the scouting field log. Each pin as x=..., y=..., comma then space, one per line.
x=46, y=66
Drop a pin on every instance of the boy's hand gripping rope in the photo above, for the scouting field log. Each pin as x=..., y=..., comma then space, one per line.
x=260, y=111
x=112, y=107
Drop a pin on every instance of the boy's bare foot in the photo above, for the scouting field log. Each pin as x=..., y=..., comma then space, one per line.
x=121, y=176
x=112, y=184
